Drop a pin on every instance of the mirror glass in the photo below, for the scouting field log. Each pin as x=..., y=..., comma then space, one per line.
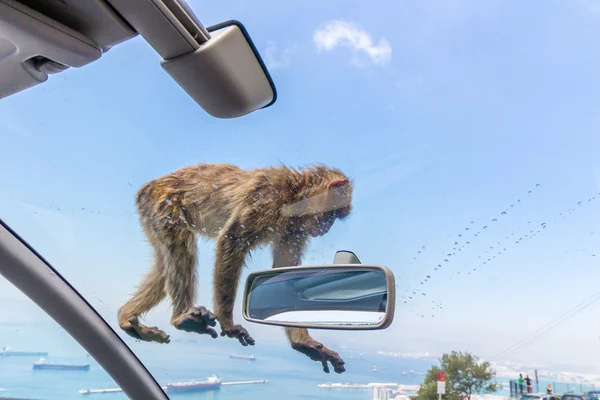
x=319, y=296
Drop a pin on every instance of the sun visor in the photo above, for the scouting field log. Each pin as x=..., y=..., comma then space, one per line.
x=224, y=75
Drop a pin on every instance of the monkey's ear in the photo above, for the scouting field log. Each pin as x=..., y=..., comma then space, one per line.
x=337, y=183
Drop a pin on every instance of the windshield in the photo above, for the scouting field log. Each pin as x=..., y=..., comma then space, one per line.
x=39, y=350
x=464, y=133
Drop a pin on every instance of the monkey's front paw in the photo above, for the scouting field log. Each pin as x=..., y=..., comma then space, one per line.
x=142, y=332
x=197, y=320
x=317, y=352
x=238, y=332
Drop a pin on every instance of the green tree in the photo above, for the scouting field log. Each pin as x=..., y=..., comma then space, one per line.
x=466, y=375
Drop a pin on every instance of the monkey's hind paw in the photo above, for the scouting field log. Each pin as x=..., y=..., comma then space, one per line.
x=238, y=332
x=197, y=320
x=142, y=332
x=317, y=352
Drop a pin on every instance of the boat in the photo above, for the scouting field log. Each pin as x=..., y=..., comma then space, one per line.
x=247, y=358
x=42, y=364
x=100, y=391
x=358, y=357
x=377, y=369
x=213, y=382
x=182, y=386
x=7, y=352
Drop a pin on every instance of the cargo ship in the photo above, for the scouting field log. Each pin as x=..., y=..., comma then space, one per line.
x=211, y=383
x=246, y=358
x=7, y=352
x=42, y=364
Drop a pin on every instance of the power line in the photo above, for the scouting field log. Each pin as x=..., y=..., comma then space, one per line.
x=547, y=327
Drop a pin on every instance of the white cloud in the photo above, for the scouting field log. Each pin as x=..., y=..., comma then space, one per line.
x=278, y=59
x=343, y=33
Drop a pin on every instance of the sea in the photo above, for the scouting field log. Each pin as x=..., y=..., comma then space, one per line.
x=290, y=375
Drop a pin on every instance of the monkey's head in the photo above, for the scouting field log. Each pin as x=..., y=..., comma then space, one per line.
x=336, y=204
x=321, y=204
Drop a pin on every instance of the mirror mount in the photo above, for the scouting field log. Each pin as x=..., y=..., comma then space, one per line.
x=345, y=257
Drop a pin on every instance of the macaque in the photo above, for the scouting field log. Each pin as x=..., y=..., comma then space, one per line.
x=241, y=209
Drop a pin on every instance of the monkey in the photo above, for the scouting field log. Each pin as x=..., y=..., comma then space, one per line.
x=241, y=209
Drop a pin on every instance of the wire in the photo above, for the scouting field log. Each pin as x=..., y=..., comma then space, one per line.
x=547, y=327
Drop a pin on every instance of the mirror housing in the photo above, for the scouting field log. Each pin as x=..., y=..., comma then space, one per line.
x=341, y=296
x=225, y=75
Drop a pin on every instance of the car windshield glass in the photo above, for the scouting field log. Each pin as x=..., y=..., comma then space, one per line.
x=454, y=142
x=41, y=351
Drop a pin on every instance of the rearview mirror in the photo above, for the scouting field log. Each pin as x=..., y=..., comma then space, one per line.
x=348, y=296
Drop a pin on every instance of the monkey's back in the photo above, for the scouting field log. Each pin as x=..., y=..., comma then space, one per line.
x=203, y=197
x=199, y=197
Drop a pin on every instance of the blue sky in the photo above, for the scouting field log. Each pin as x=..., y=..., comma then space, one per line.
x=442, y=114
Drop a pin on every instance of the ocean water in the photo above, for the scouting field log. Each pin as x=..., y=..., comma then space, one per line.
x=291, y=375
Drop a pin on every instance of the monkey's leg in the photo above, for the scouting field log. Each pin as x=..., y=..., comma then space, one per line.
x=232, y=247
x=287, y=253
x=301, y=341
x=198, y=320
x=148, y=295
x=180, y=273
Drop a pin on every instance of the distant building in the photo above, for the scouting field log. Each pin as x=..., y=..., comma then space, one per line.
x=382, y=393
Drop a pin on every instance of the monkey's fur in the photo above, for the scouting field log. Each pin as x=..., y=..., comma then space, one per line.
x=241, y=209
